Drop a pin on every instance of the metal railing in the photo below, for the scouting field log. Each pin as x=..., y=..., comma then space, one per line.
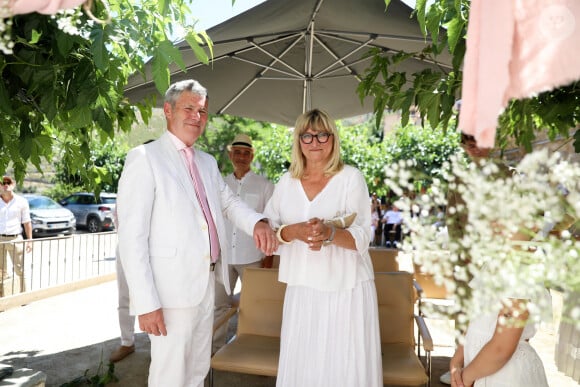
x=49, y=262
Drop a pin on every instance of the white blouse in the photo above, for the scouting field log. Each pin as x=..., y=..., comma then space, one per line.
x=332, y=268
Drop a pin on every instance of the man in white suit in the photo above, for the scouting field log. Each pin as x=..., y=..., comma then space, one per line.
x=165, y=240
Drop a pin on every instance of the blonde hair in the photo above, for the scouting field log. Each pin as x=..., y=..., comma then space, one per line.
x=318, y=121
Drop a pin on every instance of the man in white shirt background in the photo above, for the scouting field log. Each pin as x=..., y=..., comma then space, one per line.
x=255, y=190
x=393, y=220
x=14, y=214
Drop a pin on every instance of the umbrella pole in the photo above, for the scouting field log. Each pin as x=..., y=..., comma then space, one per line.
x=307, y=97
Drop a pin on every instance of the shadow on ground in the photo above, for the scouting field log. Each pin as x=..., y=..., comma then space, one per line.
x=68, y=365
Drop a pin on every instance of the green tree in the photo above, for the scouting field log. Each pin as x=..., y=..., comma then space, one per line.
x=359, y=149
x=434, y=92
x=107, y=160
x=273, y=150
x=429, y=149
x=64, y=78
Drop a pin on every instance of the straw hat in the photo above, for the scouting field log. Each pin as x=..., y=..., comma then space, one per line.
x=241, y=140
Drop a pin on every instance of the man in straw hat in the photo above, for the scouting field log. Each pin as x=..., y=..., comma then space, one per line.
x=255, y=190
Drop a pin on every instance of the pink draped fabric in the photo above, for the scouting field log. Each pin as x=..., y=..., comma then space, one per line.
x=48, y=7
x=515, y=49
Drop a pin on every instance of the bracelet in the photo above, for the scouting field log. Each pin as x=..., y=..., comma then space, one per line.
x=279, y=235
x=331, y=236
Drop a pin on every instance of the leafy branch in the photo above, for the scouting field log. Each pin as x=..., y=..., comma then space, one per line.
x=62, y=90
x=433, y=93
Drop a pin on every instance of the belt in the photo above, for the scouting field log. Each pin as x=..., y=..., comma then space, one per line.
x=212, y=266
x=9, y=235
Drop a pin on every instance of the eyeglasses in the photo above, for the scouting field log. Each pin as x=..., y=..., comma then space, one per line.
x=6, y=182
x=321, y=137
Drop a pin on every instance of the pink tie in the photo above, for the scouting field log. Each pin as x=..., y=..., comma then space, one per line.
x=202, y=199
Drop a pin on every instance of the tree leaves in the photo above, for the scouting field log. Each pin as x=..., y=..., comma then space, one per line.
x=554, y=112
x=64, y=90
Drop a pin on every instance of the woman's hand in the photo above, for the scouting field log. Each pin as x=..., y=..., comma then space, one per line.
x=456, y=368
x=318, y=232
x=312, y=232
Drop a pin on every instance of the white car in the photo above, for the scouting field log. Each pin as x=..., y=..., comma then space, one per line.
x=92, y=214
x=48, y=217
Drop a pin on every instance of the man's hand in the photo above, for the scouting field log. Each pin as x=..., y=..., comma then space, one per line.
x=153, y=323
x=28, y=245
x=265, y=238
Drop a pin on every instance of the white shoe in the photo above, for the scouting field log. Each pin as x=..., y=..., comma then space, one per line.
x=445, y=378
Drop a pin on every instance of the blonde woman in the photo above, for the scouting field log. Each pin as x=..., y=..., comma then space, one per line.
x=330, y=331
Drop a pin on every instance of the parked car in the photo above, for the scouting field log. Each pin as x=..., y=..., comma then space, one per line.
x=92, y=214
x=48, y=217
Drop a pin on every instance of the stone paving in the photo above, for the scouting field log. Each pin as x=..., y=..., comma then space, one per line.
x=66, y=335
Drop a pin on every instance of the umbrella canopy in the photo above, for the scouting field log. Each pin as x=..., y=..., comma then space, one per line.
x=281, y=58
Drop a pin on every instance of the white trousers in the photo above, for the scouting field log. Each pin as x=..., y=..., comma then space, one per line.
x=182, y=358
x=126, y=321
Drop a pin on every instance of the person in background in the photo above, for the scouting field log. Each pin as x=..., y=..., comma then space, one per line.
x=14, y=215
x=255, y=191
x=126, y=320
x=496, y=351
x=376, y=220
x=330, y=328
x=455, y=221
x=171, y=203
x=393, y=220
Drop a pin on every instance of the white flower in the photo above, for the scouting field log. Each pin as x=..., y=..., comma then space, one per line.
x=502, y=245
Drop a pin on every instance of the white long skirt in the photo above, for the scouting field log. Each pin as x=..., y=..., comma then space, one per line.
x=330, y=338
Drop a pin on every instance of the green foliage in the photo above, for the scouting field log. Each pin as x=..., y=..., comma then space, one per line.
x=62, y=92
x=107, y=160
x=555, y=111
x=61, y=190
x=273, y=152
x=434, y=92
x=429, y=148
x=96, y=380
x=358, y=149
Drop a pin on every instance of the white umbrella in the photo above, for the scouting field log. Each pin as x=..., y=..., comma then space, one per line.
x=280, y=58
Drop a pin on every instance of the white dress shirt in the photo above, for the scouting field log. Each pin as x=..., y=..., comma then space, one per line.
x=13, y=214
x=255, y=191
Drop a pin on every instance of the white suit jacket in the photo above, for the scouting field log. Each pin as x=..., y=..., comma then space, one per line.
x=163, y=238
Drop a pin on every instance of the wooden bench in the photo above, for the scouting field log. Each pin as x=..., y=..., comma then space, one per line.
x=384, y=260
x=401, y=364
x=256, y=347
